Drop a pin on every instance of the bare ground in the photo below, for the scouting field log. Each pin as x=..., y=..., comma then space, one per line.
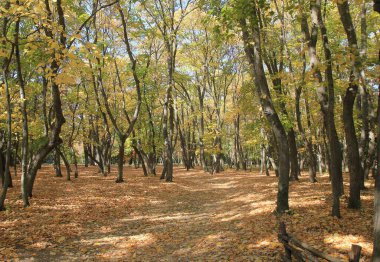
x=199, y=217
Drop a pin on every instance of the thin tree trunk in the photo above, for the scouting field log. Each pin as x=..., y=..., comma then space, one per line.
x=253, y=53
x=376, y=224
x=57, y=163
x=86, y=158
x=6, y=168
x=75, y=162
x=25, y=130
x=354, y=164
x=376, y=221
x=67, y=164
x=293, y=155
x=325, y=96
x=120, y=162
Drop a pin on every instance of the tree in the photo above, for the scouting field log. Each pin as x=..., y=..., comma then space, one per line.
x=252, y=44
x=376, y=224
x=326, y=97
x=354, y=165
x=163, y=15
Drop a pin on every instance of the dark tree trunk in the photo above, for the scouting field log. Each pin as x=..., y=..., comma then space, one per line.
x=325, y=94
x=5, y=166
x=15, y=156
x=57, y=163
x=86, y=158
x=163, y=174
x=142, y=158
x=217, y=167
x=75, y=162
x=91, y=151
x=306, y=140
x=376, y=224
x=294, y=168
x=354, y=164
x=253, y=52
x=67, y=164
x=54, y=140
x=185, y=153
x=120, y=161
x=152, y=162
x=2, y=165
x=352, y=149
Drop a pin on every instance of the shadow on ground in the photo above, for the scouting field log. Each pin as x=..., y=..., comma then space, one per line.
x=199, y=217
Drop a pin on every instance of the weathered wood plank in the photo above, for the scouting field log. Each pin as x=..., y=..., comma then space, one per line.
x=304, y=252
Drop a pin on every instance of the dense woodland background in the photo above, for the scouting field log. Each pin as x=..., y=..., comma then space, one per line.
x=288, y=86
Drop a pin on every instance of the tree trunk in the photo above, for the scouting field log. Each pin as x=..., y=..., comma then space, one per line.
x=143, y=159
x=293, y=155
x=307, y=141
x=86, y=158
x=376, y=224
x=120, y=162
x=15, y=156
x=354, y=164
x=364, y=101
x=67, y=164
x=57, y=163
x=325, y=95
x=75, y=162
x=253, y=52
x=356, y=172
x=185, y=154
x=6, y=165
x=376, y=221
x=53, y=138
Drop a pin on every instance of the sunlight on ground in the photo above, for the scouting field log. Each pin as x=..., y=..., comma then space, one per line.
x=227, y=185
x=201, y=217
x=171, y=217
x=344, y=242
x=139, y=240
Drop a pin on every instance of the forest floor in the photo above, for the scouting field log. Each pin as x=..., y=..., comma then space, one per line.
x=198, y=217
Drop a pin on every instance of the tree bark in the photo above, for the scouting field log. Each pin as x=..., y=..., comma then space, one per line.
x=253, y=52
x=325, y=95
x=67, y=164
x=6, y=168
x=57, y=163
x=376, y=222
x=354, y=164
x=120, y=161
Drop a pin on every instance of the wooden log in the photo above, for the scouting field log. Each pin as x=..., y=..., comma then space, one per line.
x=282, y=234
x=313, y=251
x=354, y=254
x=296, y=251
x=303, y=252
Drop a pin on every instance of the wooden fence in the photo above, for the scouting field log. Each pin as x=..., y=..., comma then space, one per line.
x=300, y=251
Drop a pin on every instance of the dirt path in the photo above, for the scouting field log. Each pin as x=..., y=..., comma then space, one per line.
x=199, y=217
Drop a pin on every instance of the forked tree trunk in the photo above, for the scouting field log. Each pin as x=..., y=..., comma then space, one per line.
x=67, y=164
